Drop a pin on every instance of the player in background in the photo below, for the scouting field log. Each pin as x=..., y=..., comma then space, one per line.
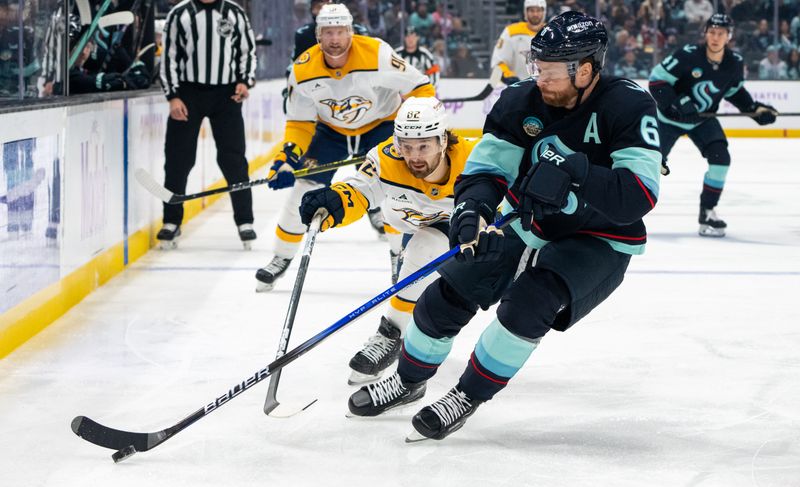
x=417, y=55
x=410, y=176
x=576, y=154
x=510, y=54
x=693, y=81
x=343, y=95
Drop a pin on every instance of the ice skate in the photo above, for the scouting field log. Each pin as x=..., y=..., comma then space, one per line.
x=710, y=224
x=444, y=417
x=376, y=220
x=378, y=353
x=267, y=276
x=377, y=398
x=168, y=236
x=247, y=234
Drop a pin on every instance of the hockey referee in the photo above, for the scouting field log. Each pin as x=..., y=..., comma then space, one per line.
x=209, y=64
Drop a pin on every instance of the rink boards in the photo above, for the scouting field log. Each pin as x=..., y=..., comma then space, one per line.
x=80, y=218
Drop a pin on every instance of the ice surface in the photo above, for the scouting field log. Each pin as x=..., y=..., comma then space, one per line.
x=689, y=375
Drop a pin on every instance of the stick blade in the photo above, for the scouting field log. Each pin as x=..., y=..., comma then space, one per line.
x=114, y=439
x=149, y=183
x=274, y=409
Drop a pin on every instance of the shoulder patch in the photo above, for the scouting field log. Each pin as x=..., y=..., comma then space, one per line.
x=390, y=151
x=303, y=58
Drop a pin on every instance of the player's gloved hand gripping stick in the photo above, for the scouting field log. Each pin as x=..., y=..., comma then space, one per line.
x=126, y=443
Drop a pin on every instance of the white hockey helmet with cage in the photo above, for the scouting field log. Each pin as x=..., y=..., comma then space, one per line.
x=334, y=15
x=420, y=118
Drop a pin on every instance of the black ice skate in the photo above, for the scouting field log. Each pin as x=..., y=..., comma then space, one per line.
x=267, y=276
x=444, y=417
x=378, y=353
x=377, y=398
x=168, y=236
x=710, y=224
x=247, y=234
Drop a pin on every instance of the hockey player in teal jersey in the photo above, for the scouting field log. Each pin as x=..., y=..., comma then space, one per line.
x=576, y=154
x=693, y=81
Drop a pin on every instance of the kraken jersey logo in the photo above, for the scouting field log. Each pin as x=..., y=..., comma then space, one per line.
x=349, y=110
x=703, y=92
x=419, y=219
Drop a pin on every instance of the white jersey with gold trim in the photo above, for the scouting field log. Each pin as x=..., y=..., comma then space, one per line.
x=408, y=203
x=353, y=99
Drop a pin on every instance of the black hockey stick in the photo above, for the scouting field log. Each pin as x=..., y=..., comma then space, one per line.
x=494, y=81
x=127, y=443
x=747, y=114
x=167, y=196
x=271, y=405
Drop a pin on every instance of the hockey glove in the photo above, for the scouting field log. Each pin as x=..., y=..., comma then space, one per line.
x=547, y=186
x=288, y=160
x=322, y=198
x=510, y=80
x=137, y=77
x=764, y=114
x=684, y=111
x=109, y=82
x=468, y=230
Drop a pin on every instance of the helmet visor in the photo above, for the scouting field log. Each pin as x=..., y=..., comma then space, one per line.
x=547, y=71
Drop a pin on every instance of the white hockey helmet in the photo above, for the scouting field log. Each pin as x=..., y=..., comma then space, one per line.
x=534, y=3
x=420, y=118
x=334, y=15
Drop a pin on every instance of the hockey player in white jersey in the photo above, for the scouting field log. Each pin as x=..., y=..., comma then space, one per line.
x=411, y=176
x=510, y=54
x=343, y=96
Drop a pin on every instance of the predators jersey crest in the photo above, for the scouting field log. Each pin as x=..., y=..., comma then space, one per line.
x=420, y=219
x=349, y=110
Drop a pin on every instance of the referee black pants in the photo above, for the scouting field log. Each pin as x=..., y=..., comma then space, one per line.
x=180, y=148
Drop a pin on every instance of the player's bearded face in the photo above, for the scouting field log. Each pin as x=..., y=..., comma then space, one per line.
x=422, y=156
x=534, y=15
x=554, y=83
x=335, y=41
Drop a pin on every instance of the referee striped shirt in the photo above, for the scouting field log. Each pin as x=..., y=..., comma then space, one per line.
x=210, y=44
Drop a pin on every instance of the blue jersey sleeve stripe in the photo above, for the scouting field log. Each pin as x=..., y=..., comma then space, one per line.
x=494, y=156
x=733, y=90
x=661, y=74
x=644, y=163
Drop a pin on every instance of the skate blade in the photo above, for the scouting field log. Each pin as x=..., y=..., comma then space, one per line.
x=248, y=245
x=415, y=437
x=708, y=231
x=359, y=379
x=263, y=287
x=398, y=410
x=167, y=245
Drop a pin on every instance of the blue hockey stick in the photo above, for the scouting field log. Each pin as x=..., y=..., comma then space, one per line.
x=127, y=443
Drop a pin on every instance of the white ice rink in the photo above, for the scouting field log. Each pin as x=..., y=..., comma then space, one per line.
x=689, y=375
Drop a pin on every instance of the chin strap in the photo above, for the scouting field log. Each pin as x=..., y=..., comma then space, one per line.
x=582, y=90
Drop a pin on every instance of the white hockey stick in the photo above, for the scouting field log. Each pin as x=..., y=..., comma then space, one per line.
x=84, y=11
x=117, y=18
x=272, y=407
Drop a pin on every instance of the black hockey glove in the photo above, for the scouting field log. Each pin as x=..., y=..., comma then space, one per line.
x=764, y=114
x=138, y=77
x=683, y=110
x=477, y=244
x=109, y=82
x=322, y=198
x=546, y=188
